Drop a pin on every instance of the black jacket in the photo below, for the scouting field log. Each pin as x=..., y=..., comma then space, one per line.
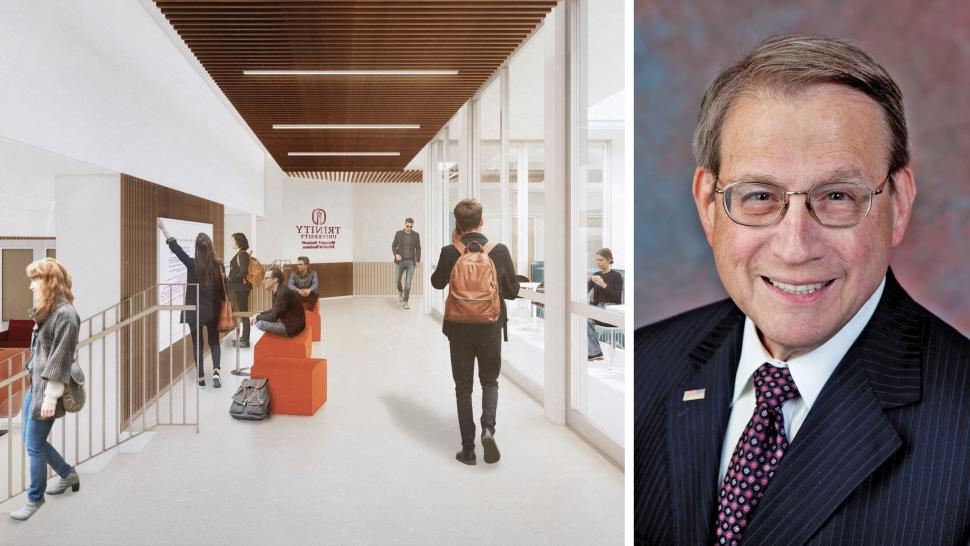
x=397, y=246
x=886, y=438
x=211, y=295
x=613, y=293
x=507, y=282
x=287, y=309
x=238, y=268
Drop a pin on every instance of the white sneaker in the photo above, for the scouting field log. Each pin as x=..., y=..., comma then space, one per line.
x=406, y=306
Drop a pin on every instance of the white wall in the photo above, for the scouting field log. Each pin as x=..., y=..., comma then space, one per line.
x=27, y=188
x=300, y=199
x=379, y=212
x=265, y=238
x=100, y=81
x=88, y=230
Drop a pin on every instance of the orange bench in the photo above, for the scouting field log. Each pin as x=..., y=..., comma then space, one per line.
x=297, y=386
x=298, y=346
x=313, y=321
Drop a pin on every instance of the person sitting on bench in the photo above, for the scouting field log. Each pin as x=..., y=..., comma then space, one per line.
x=305, y=282
x=286, y=318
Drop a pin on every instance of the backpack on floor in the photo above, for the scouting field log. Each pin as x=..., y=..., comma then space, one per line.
x=473, y=293
x=251, y=401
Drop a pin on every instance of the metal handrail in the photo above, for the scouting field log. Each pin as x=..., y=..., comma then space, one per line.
x=132, y=354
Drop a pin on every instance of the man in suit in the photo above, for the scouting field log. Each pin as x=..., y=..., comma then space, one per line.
x=819, y=404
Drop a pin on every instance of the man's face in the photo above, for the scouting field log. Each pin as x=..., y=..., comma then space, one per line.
x=831, y=133
x=407, y=227
x=269, y=282
x=301, y=267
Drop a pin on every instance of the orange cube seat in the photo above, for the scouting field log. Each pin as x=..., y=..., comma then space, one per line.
x=297, y=386
x=313, y=323
x=298, y=346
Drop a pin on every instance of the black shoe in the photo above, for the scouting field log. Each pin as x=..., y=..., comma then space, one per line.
x=202, y=382
x=244, y=344
x=215, y=379
x=466, y=456
x=491, y=448
x=597, y=356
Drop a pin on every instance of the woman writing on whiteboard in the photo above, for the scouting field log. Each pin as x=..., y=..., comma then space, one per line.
x=51, y=353
x=205, y=270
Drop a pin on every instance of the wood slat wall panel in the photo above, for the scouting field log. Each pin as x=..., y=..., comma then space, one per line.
x=142, y=202
x=377, y=279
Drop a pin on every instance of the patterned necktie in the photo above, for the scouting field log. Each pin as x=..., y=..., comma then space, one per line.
x=757, y=454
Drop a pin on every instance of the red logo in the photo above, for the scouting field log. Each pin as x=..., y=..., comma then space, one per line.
x=319, y=216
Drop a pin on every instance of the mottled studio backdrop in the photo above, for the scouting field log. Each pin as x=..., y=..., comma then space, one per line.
x=680, y=45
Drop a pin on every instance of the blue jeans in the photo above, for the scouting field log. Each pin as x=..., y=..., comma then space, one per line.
x=592, y=336
x=406, y=268
x=40, y=453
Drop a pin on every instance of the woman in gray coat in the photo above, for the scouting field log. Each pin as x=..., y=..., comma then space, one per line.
x=51, y=353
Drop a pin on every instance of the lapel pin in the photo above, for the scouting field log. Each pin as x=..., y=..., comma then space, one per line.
x=696, y=394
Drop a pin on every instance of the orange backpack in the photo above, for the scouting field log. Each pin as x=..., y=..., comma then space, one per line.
x=473, y=293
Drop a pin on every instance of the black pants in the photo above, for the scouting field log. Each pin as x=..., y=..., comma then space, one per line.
x=212, y=332
x=463, y=354
x=242, y=304
x=311, y=300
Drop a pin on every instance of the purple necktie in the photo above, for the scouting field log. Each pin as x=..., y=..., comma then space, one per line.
x=757, y=454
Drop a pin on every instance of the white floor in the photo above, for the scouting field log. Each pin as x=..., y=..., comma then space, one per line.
x=374, y=466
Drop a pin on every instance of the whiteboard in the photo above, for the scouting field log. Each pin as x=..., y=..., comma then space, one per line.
x=171, y=271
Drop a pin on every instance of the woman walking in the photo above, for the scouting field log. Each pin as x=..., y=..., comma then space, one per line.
x=238, y=286
x=205, y=270
x=51, y=353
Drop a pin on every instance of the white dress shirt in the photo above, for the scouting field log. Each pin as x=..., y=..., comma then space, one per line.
x=810, y=371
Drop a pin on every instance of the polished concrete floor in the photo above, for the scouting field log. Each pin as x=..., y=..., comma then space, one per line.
x=374, y=466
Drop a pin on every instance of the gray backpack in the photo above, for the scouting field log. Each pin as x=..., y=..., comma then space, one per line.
x=251, y=401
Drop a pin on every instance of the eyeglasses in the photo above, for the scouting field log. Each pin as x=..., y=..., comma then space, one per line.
x=833, y=204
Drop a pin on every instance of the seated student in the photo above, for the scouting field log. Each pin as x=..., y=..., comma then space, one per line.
x=305, y=282
x=607, y=287
x=286, y=318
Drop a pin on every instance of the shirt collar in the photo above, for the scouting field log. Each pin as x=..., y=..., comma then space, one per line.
x=810, y=371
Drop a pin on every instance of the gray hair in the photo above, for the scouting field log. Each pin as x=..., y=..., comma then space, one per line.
x=788, y=65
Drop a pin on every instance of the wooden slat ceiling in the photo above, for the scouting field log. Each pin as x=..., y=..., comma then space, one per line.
x=408, y=176
x=470, y=36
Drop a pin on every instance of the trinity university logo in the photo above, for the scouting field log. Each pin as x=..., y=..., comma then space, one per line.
x=318, y=235
x=319, y=216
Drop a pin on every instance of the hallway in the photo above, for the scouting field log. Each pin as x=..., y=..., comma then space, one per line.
x=374, y=466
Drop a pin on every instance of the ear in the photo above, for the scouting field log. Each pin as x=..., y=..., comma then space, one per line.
x=705, y=201
x=902, y=202
x=482, y=223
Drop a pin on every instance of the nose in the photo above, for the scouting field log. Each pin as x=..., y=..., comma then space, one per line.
x=798, y=237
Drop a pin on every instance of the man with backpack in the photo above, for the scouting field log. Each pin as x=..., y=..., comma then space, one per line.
x=480, y=274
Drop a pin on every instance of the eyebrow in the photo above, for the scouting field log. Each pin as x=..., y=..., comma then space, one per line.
x=852, y=174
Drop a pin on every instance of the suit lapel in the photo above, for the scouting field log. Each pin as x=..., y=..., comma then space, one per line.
x=695, y=429
x=846, y=435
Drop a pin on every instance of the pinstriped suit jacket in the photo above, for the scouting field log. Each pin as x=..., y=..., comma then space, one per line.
x=883, y=457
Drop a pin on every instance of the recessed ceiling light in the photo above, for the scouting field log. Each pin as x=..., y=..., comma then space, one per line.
x=346, y=126
x=350, y=72
x=335, y=154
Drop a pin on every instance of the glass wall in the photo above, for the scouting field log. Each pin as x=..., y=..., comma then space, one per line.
x=499, y=138
x=598, y=261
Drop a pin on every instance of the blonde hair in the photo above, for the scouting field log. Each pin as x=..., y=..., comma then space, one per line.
x=55, y=285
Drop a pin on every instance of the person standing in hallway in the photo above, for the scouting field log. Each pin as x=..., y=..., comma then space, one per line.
x=406, y=248
x=469, y=341
x=205, y=270
x=305, y=283
x=607, y=287
x=238, y=286
x=51, y=353
x=286, y=317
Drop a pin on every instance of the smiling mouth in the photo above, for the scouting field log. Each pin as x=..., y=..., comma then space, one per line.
x=798, y=289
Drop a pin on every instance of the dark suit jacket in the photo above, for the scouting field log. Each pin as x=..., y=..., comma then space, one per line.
x=883, y=457
x=288, y=309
